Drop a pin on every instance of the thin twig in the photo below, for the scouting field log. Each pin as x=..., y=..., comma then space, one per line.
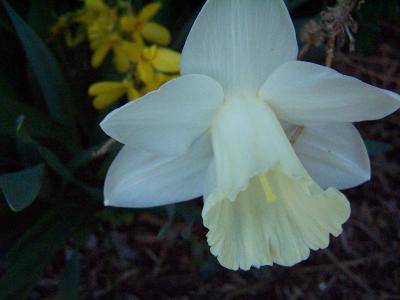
x=104, y=149
x=357, y=279
x=348, y=263
x=297, y=132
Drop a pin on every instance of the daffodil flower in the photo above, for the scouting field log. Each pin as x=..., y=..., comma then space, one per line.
x=141, y=27
x=218, y=131
x=109, y=92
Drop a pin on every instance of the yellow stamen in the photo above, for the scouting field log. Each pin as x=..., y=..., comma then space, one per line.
x=269, y=195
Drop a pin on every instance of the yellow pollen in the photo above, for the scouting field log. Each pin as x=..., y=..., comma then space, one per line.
x=269, y=195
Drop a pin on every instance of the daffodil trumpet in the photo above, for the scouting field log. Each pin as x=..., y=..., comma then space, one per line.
x=226, y=130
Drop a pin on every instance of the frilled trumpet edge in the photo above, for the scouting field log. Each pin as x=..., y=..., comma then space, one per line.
x=276, y=219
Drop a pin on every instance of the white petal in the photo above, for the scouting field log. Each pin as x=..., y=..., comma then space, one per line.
x=334, y=155
x=142, y=179
x=253, y=231
x=392, y=94
x=239, y=43
x=307, y=94
x=168, y=120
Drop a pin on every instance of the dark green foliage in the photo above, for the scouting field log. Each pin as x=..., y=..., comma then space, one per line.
x=41, y=133
x=45, y=68
x=21, y=188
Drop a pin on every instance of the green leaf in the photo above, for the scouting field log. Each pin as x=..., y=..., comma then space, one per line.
x=39, y=124
x=21, y=188
x=52, y=159
x=376, y=148
x=46, y=70
x=69, y=279
x=58, y=167
x=28, y=258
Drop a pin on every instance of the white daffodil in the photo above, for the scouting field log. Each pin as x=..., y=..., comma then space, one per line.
x=218, y=131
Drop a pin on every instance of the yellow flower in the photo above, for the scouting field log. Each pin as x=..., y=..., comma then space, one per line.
x=140, y=26
x=154, y=60
x=124, y=52
x=83, y=18
x=72, y=37
x=109, y=92
x=101, y=28
x=96, y=5
x=62, y=22
x=104, y=38
x=92, y=10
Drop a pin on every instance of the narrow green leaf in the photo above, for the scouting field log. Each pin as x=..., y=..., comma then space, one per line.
x=46, y=70
x=52, y=159
x=58, y=167
x=21, y=188
x=69, y=279
x=40, y=124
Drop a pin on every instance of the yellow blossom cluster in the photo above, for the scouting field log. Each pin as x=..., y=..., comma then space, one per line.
x=137, y=44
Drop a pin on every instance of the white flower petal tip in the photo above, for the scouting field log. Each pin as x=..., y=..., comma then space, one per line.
x=168, y=120
x=334, y=154
x=392, y=94
x=240, y=42
x=277, y=219
x=138, y=179
x=308, y=94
